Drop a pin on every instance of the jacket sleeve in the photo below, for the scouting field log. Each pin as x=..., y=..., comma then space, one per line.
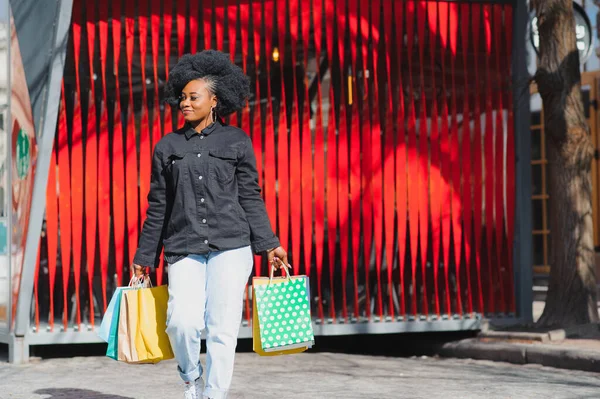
x=151, y=240
x=261, y=235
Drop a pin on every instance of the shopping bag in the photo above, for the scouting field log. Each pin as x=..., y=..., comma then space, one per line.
x=256, y=337
x=282, y=321
x=104, y=330
x=142, y=323
x=152, y=341
x=126, y=351
x=113, y=322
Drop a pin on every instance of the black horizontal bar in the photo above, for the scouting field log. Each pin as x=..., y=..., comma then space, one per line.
x=513, y=2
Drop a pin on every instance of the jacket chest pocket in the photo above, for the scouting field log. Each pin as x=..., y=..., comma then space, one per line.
x=222, y=164
x=175, y=166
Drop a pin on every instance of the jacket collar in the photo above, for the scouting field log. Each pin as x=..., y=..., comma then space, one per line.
x=190, y=131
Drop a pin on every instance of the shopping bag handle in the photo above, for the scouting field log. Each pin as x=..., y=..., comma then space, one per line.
x=285, y=268
x=141, y=282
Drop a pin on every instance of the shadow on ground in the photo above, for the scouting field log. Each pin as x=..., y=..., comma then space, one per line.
x=70, y=350
x=3, y=353
x=66, y=393
x=396, y=345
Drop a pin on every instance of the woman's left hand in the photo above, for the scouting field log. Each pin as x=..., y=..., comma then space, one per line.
x=278, y=257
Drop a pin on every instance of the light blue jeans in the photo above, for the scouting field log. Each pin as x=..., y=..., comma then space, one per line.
x=206, y=293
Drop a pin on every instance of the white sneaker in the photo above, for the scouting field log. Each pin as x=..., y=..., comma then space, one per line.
x=190, y=391
x=199, y=386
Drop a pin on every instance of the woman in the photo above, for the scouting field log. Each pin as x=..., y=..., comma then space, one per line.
x=205, y=207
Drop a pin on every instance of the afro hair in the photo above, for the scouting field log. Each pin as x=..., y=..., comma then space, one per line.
x=231, y=85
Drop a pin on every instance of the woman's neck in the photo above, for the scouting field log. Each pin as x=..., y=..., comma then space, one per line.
x=201, y=124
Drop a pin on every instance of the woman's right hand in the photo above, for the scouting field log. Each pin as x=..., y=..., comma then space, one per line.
x=138, y=271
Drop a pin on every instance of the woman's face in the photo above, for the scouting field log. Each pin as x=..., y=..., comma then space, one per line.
x=196, y=101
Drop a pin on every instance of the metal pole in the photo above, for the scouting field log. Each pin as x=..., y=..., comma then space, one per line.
x=45, y=141
x=523, y=241
x=8, y=163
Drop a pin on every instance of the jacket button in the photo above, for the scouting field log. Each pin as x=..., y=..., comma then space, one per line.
x=199, y=155
x=206, y=241
x=200, y=177
x=201, y=199
x=203, y=220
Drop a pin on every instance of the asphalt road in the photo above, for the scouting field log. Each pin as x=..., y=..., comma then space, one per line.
x=312, y=375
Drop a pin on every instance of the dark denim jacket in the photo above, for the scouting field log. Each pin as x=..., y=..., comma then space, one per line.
x=204, y=196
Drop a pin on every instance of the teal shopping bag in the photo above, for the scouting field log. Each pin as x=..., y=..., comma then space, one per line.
x=104, y=330
x=113, y=336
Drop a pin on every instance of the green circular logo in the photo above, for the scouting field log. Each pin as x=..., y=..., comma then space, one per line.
x=23, y=154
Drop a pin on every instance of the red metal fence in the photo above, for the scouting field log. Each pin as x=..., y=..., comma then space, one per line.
x=384, y=140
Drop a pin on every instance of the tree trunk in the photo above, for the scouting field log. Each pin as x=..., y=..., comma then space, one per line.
x=572, y=290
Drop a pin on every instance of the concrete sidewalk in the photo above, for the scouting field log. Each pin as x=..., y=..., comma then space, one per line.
x=576, y=348
x=308, y=375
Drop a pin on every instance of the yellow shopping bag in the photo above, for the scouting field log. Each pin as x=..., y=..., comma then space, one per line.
x=152, y=341
x=142, y=325
x=256, y=336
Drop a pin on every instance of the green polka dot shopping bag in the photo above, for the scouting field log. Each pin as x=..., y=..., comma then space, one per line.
x=282, y=322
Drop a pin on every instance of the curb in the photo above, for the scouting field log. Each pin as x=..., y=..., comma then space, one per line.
x=545, y=355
